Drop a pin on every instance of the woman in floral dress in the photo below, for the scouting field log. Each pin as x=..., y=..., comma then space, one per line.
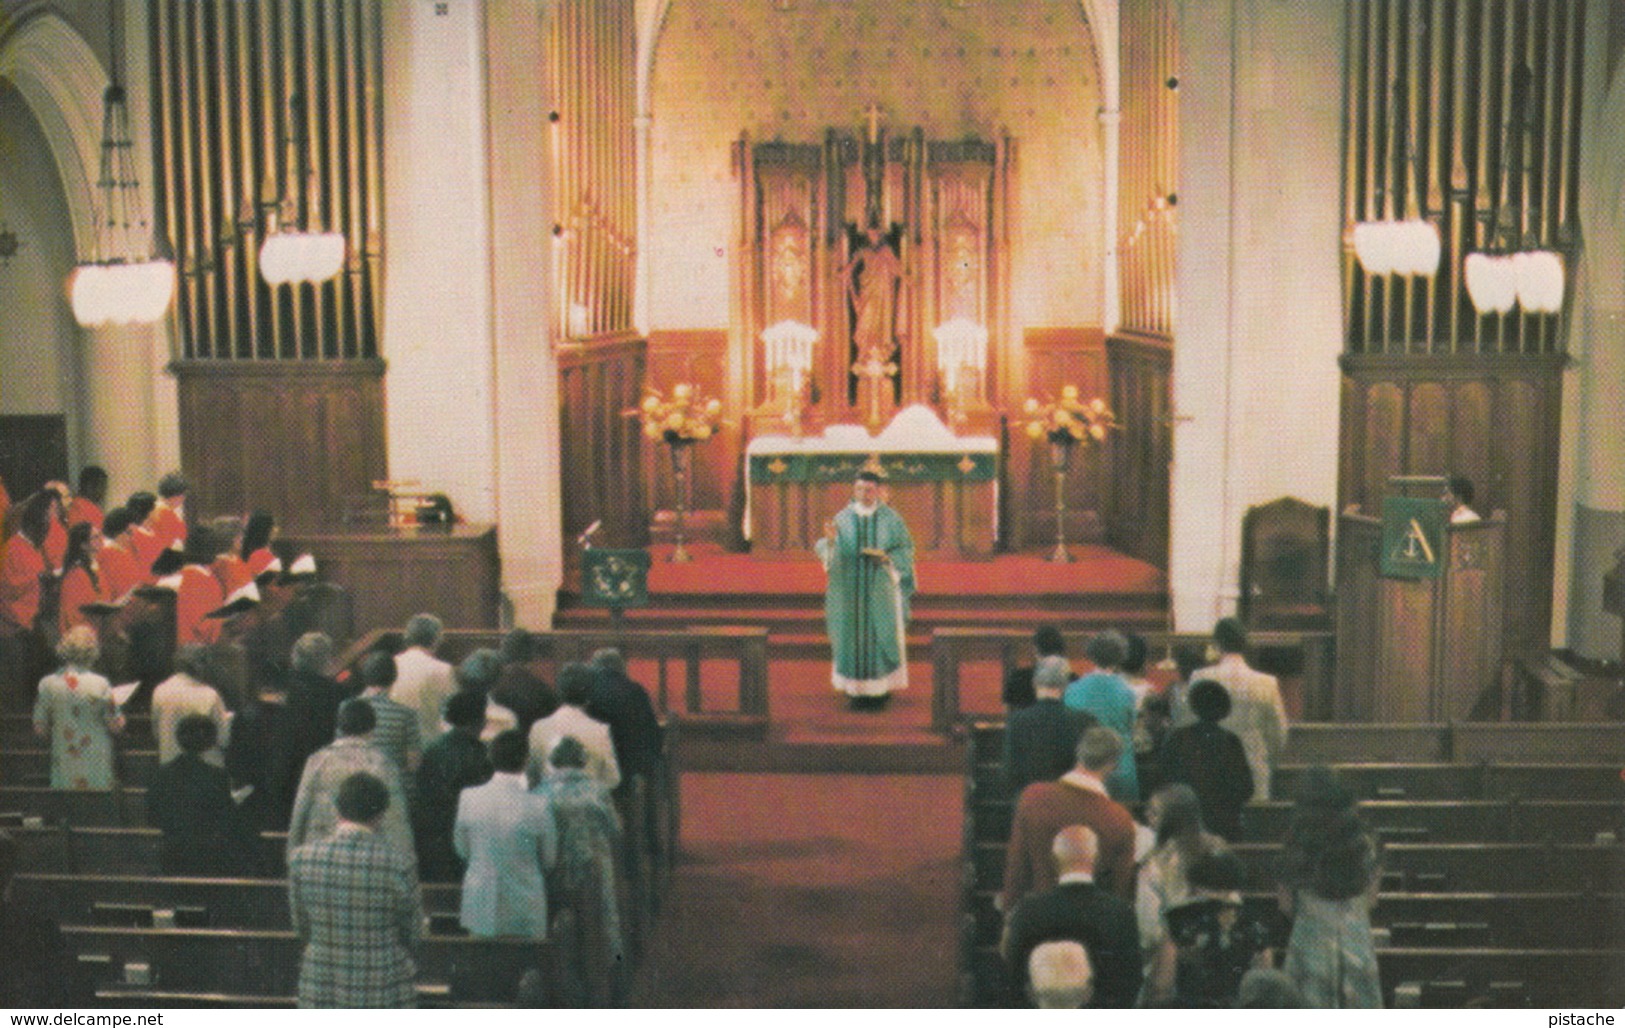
x=76, y=712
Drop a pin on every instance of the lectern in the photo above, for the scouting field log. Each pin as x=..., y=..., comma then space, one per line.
x=1419, y=615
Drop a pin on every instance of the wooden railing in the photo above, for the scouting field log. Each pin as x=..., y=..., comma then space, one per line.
x=952, y=647
x=746, y=648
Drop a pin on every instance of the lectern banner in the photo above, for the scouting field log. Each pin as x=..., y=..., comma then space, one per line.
x=615, y=578
x=1412, y=537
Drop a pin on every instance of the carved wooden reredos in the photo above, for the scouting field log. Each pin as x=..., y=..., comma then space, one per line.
x=916, y=227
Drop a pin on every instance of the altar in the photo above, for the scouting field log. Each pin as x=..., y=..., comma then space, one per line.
x=946, y=487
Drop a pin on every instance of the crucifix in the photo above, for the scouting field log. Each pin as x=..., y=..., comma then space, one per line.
x=873, y=371
x=874, y=167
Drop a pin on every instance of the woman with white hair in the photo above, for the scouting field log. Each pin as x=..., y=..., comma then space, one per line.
x=76, y=712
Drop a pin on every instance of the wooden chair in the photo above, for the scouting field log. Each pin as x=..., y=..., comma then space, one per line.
x=1285, y=554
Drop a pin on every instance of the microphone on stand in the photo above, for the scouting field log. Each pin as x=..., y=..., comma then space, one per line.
x=584, y=540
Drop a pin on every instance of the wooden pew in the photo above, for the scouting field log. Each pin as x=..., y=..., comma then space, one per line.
x=266, y=963
x=32, y=766
x=112, y=807
x=1566, y=978
x=135, y=900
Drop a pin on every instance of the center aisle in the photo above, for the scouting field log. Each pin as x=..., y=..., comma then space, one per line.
x=828, y=890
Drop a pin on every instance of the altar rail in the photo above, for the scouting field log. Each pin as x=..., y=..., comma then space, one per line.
x=746, y=648
x=951, y=647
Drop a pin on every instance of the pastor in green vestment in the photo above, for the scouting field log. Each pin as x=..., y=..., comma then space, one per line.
x=869, y=556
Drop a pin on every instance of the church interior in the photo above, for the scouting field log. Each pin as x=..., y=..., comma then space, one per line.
x=582, y=315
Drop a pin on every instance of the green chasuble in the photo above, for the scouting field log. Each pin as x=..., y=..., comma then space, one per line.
x=866, y=602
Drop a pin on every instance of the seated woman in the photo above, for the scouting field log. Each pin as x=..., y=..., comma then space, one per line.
x=589, y=833
x=76, y=712
x=189, y=800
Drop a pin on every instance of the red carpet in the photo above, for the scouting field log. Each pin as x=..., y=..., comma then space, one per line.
x=811, y=891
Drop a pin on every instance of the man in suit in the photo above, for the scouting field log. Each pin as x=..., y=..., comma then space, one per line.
x=315, y=810
x=1079, y=910
x=1257, y=716
x=356, y=906
x=1076, y=798
x=575, y=690
x=189, y=799
x=625, y=707
x=423, y=681
x=454, y=762
x=1020, y=684
x=1041, y=739
x=508, y=839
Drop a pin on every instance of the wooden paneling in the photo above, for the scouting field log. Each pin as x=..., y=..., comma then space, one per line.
x=1056, y=357
x=1495, y=420
x=391, y=575
x=599, y=444
x=699, y=357
x=33, y=451
x=1141, y=450
x=300, y=439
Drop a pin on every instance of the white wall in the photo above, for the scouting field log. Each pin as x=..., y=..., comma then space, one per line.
x=1258, y=320
x=437, y=296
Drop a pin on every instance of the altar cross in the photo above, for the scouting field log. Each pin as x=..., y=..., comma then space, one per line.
x=873, y=370
x=871, y=114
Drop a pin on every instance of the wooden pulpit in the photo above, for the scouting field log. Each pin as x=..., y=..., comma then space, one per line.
x=1421, y=644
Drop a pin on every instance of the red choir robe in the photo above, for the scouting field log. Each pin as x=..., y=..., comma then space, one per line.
x=198, y=594
x=120, y=570
x=82, y=509
x=56, y=543
x=168, y=524
x=147, y=547
x=77, y=590
x=232, y=571
x=19, y=583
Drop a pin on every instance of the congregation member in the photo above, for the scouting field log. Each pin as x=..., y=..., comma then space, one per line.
x=356, y=905
x=189, y=800
x=1078, y=909
x=455, y=761
x=518, y=687
x=1257, y=715
x=1104, y=695
x=1135, y=654
x=423, y=682
x=1076, y=798
x=192, y=689
x=1212, y=939
x=1328, y=876
x=315, y=811
x=1151, y=729
x=636, y=737
x=75, y=711
x=479, y=672
x=1265, y=988
x=571, y=719
x=1175, y=815
x=1188, y=659
x=1211, y=760
x=169, y=514
x=396, y=734
x=39, y=970
x=1018, y=688
x=310, y=711
x=1059, y=976
x=82, y=580
x=86, y=505
x=1041, y=738
x=506, y=837
x=589, y=832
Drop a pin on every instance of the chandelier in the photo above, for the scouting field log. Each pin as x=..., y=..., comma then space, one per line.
x=124, y=282
x=290, y=252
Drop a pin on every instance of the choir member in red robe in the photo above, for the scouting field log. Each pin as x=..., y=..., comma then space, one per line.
x=197, y=592
x=82, y=580
x=121, y=569
x=56, y=529
x=24, y=564
x=86, y=504
x=144, y=541
x=169, y=517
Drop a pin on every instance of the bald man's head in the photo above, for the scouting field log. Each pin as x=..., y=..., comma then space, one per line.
x=1059, y=975
x=1074, y=849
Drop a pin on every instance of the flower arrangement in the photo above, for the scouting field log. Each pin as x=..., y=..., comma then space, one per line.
x=1068, y=419
x=684, y=418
